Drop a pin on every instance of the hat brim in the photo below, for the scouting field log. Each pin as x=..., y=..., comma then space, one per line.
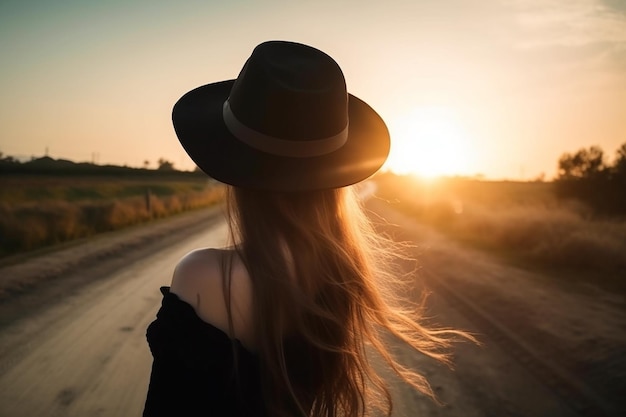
x=199, y=125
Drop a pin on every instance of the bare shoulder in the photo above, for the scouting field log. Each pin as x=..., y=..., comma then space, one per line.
x=199, y=281
x=199, y=268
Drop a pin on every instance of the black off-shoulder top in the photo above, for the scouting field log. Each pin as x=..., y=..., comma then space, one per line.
x=193, y=372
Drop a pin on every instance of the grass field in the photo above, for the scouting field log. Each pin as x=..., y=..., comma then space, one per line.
x=37, y=211
x=522, y=221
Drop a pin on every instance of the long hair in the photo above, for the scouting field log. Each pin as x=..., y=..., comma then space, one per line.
x=323, y=302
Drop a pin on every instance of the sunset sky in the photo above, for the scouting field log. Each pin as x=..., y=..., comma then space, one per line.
x=500, y=88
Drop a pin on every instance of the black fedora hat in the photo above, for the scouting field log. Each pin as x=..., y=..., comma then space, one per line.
x=286, y=123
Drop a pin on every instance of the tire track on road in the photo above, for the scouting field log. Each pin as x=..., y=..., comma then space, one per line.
x=581, y=397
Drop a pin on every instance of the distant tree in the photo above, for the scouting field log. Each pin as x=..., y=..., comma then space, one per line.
x=165, y=165
x=586, y=176
x=479, y=176
x=619, y=167
x=585, y=163
x=618, y=178
x=146, y=164
x=8, y=158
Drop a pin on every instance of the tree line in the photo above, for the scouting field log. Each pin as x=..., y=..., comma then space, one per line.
x=50, y=166
x=584, y=175
x=587, y=176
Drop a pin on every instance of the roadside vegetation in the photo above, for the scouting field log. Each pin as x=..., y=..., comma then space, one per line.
x=587, y=176
x=528, y=223
x=58, y=203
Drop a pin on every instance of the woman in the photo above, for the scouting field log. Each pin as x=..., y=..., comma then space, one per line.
x=286, y=322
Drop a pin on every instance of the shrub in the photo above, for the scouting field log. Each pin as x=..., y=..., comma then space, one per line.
x=27, y=226
x=539, y=231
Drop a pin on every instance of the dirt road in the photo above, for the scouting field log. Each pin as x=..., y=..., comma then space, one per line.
x=85, y=354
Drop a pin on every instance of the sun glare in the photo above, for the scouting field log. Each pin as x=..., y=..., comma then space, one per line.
x=428, y=142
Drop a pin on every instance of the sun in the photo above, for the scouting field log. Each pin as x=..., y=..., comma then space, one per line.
x=429, y=142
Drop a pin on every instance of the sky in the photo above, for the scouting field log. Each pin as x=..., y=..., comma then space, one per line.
x=467, y=87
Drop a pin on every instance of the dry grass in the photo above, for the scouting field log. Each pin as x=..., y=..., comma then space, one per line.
x=522, y=221
x=98, y=205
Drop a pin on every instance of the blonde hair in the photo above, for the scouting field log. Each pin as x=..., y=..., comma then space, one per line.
x=323, y=297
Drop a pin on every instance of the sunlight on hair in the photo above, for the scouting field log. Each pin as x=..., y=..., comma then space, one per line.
x=429, y=141
x=345, y=299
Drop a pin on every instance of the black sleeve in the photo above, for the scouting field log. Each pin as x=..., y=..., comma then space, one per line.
x=193, y=371
x=177, y=391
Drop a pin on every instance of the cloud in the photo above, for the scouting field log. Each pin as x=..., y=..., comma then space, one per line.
x=575, y=23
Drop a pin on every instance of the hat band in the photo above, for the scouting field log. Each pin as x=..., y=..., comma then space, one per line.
x=282, y=147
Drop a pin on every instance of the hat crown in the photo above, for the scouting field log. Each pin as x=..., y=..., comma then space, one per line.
x=292, y=92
